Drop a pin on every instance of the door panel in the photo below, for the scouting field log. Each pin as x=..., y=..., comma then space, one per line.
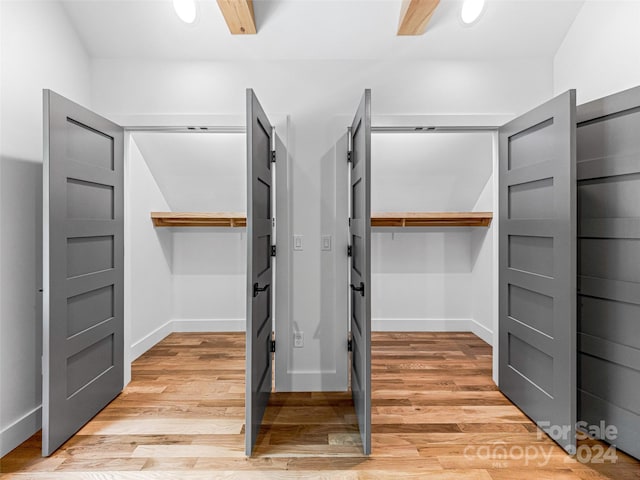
x=360, y=240
x=259, y=271
x=537, y=329
x=82, y=267
x=608, y=170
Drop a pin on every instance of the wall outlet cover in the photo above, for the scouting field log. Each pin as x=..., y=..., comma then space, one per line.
x=326, y=243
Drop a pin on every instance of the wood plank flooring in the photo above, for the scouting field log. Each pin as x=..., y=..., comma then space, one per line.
x=436, y=414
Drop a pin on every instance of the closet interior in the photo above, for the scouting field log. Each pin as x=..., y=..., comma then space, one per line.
x=186, y=278
x=208, y=248
x=432, y=258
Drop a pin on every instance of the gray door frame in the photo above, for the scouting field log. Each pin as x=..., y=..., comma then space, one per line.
x=360, y=265
x=608, y=172
x=83, y=260
x=537, y=266
x=260, y=279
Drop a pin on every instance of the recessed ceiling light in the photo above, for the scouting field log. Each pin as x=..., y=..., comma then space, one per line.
x=186, y=10
x=471, y=10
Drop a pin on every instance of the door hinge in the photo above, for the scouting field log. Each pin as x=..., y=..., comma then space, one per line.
x=349, y=251
x=358, y=288
x=349, y=345
x=348, y=157
x=273, y=156
x=349, y=221
x=273, y=250
x=273, y=346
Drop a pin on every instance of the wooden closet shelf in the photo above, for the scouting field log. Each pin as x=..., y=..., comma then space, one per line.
x=431, y=219
x=199, y=219
x=394, y=219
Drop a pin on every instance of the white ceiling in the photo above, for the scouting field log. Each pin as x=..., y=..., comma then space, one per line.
x=320, y=29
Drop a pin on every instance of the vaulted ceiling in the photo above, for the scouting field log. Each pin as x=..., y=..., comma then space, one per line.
x=320, y=29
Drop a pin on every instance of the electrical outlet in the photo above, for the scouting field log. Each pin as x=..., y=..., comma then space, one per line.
x=298, y=339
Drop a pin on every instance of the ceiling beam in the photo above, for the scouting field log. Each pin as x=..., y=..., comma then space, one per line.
x=239, y=16
x=415, y=15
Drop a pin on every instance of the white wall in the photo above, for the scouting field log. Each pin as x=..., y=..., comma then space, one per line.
x=149, y=304
x=39, y=49
x=305, y=89
x=600, y=54
x=485, y=265
x=422, y=279
x=209, y=275
x=425, y=278
x=315, y=94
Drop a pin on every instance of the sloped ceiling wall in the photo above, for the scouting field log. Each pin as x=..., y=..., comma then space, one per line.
x=435, y=172
x=198, y=172
x=410, y=171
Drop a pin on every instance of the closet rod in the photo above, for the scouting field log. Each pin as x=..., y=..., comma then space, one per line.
x=190, y=129
x=433, y=129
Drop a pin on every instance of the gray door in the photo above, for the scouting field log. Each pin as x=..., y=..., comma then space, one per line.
x=83, y=260
x=537, y=308
x=259, y=272
x=360, y=288
x=609, y=266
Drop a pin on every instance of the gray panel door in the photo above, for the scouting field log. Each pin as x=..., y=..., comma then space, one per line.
x=82, y=267
x=360, y=288
x=259, y=272
x=537, y=308
x=608, y=172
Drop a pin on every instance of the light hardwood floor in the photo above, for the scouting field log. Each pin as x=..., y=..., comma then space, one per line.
x=436, y=414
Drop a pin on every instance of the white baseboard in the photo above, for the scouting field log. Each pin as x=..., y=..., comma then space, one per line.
x=421, y=324
x=20, y=430
x=432, y=325
x=208, y=325
x=481, y=331
x=186, y=325
x=150, y=340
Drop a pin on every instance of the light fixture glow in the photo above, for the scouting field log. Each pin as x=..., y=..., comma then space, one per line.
x=186, y=10
x=471, y=10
